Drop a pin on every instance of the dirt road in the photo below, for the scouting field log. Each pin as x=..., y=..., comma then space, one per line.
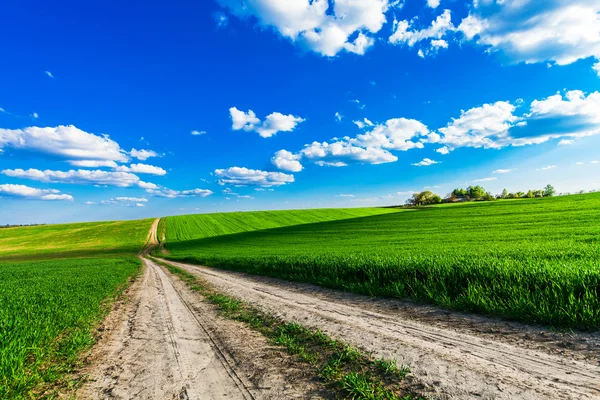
x=460, y=357
x=166, y=343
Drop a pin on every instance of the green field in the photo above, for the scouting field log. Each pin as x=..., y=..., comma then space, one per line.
x=73, y=239
x=533, y=260
x=198, y=226
x=55, y=281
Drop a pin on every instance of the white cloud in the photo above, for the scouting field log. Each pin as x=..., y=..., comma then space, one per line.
x=331, y=164
x=260, y=189
x=241, y=176
x=142, y=169
x=404, y=32
x=245, y=197
x=27, y=192
x=338, y=154
x=171, y=194
x=439, y=43
x=546, y=168
x=426, y=162
x=394, y=134
x=142, y=154
x=221, y=19
x=35, y=115
x=132, y=199
x=344, y=195
x=364, y=123
x=89, y=203
x=287, y=161
x=495, y=126
x=486, y=179
x=139, y=205
x=565, y=142
x=93, y=163
x=595, y=162
x=481, y=126
x=443, y=150
x=68, y=142
x=562, y=31
x=338, y=117
x=596, y=68
x=433, y=3
x=314, y=25
x=49, y=74
x=579, y=163
x=503, y=171
x=274, y=122
x=81, y=176
x=198, y=133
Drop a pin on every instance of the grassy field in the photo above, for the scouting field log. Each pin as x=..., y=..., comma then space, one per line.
x=73, y=239
x=198, y=226
x=55, y=282
x=532, y=260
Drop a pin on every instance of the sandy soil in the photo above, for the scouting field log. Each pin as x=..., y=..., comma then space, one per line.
x=454, y=355
x=166, y=343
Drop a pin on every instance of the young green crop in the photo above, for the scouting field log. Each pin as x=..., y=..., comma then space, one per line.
x=198, y=226
x=55, y=281
x=47, y=312
x=68, y=240
x=532, y=260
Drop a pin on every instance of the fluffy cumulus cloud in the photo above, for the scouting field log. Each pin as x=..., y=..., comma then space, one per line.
x=493, y=126
x=142, y=169
x=562, y=31
x=68, y=142
x=371, y=147
x=394, y=134
x=273, y=123
x=241, y=176
x=407, y=33
x=326, y=27
x=171, y=194
x=82, y=177
x=287, y=161
x=26, y=192
x=341, y=153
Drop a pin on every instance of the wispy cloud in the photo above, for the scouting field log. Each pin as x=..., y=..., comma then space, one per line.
x=486, y=179
x=546, y=168
x=198, y=133
x=426, y=162
x=49, y=74
x=503, y=171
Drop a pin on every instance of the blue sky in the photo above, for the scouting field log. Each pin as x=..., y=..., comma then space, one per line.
x=121, y=111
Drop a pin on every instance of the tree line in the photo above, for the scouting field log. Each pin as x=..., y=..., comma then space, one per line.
x=475, y=193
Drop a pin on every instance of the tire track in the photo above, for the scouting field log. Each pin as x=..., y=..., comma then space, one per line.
x=452, y=363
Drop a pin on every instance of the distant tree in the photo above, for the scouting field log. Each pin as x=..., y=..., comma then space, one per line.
x=530, y=194
x=539, y=193
x=504, y=194
x=460, y=192
x=476, y=192
x=549, y=191
x=519, y=195
x=424, y=198
x=488, y=197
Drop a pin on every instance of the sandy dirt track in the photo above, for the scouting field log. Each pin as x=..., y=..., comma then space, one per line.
x=451, y=362
x=166, y=343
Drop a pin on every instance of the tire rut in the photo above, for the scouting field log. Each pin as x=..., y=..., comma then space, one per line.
x=450, y=362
